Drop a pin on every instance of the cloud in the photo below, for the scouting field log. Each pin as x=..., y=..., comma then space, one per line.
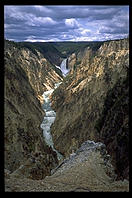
x=58, y=23
x=86, y=32
x=72, y=23
x=118, y=25
x=38, y=21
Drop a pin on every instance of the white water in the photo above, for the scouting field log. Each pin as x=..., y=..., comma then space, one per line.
x=50, y=114
x=63, y=68
x=49, y=119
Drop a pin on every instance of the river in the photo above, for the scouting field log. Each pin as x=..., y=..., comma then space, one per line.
x=50, y=114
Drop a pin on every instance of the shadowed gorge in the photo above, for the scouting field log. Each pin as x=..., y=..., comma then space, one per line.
x=23, y=111
x=94, y=94
x=78, y=93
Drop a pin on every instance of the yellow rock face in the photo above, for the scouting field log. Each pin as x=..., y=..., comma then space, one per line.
x=84, y=94
x=27, y=76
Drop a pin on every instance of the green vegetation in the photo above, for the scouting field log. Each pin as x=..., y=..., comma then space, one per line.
x=61, y=49
x=46, y=49
x=67, y=48
x=43, y=47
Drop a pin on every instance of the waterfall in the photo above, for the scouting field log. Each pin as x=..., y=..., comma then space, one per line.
x=49, y=119
x=63, y=67
x=50, y=114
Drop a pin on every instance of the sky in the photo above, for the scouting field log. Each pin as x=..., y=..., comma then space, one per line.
x=65, y=23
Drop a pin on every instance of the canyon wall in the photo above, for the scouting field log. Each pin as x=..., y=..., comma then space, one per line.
x=92, y=103
x=91, y=106
x=27, y=76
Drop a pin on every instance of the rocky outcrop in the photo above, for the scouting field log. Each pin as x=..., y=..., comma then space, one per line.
x=97, y=78
x=27, y=76
x=89, y=169
x=91, y=107
x=41, y=73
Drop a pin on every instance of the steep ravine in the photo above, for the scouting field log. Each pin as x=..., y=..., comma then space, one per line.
x=27, y=76
x=41, y=73
x=50, y=114
x=76, y=124
x=90, y=101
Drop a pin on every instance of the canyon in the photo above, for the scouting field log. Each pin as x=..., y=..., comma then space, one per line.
x=87, y=115
x=93, y=99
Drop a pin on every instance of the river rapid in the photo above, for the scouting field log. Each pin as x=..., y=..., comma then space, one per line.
x=50, y=114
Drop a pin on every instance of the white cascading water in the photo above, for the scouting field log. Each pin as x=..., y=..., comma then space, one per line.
x=49, y=119
x=63, y=68
x=50, y=114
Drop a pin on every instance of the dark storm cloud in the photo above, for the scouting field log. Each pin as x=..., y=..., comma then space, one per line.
x=65, y=22
x=93, y=12
x=118, y=25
